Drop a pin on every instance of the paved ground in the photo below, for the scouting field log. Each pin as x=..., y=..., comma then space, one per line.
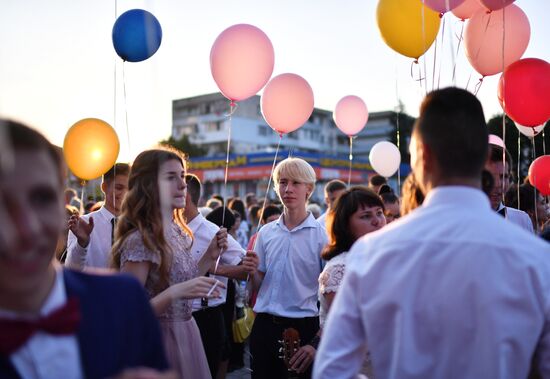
x=243, y=373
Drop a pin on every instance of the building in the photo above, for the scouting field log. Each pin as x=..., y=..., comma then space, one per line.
x=205, y=120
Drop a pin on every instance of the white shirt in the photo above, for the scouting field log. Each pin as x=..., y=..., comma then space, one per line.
x=291, y=261
x=323, y=219
x=47, y=356
x=97, y=253
x=518, y=217
x=203, y=232
x=451, y=290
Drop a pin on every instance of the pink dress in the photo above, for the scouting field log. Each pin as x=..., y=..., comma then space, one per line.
x=182, y=339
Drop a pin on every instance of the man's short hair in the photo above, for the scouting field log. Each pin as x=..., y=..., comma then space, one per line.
x=269, y=211
x=193, y=187
x=334, y=185
x=495, y=155
x=249, y=197
x=377, y=180
x=117, y=169
x=452, y=125
x=22, y=137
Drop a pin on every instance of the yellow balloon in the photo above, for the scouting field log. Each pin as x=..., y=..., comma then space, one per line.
x=407, y=26
x=90, y=148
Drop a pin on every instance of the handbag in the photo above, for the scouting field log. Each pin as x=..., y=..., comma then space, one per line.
x=242, y=326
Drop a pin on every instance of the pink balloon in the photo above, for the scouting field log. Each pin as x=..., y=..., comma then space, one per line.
x=287, y=102
x=467, y=9
x=241, y=61
x=494, y=5
x=483, y=39
x=443, y=6
x=351, y=115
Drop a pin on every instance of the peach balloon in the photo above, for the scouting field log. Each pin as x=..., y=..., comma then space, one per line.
x=90, y=148
x=241, y=61
x=483, y=39
x=467, y=9
x=351, y=115
x=287, y=102
x=494, y=5
x=443, y=6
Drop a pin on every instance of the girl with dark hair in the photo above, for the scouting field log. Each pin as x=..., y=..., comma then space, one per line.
x=237, y=205
x=153, y=243
x=358, y=211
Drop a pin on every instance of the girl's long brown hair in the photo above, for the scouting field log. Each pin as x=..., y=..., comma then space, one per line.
x=141, y=210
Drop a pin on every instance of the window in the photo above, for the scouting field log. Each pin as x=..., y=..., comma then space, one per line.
x=263, y=130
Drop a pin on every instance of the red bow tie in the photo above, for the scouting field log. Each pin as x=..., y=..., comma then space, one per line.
x=62, y=321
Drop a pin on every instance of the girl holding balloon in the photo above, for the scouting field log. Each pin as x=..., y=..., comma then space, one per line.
x=153, y=243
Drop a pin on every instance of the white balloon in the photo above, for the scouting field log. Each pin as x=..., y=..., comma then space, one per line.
x=528, y=131
x=385, y=158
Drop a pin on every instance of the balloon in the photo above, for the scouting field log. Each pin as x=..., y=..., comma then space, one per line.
x=494, y=5
x=136, y=35
x=539, y=174
x=529, y=131
x=443, y=6
x=524, y=91
x=287, y=102
x=483, y=39
x=351, y=115
x=467, y=9
x=241, y=61
x=496, y=140
x=407, y=26
x=385, y=158
x=90, y=148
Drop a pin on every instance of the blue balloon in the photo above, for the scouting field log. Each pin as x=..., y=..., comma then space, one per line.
x=136, y=35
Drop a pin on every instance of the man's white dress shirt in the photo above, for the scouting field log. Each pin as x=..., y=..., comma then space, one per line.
x=291, y=261
x=451, y=291
x=518, y=217
x=203, y=232
x=48, y=356
x=97, y=253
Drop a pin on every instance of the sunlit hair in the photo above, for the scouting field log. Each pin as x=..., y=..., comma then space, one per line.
x=411, y=195
x=295, y=169
x=339, y=216
x=141, y=209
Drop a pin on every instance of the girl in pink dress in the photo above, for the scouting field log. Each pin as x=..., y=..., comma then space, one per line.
x=153, y=242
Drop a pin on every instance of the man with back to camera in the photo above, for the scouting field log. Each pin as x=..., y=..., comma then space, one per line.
x=91, y=236
x=452, y=289
x=57, y=323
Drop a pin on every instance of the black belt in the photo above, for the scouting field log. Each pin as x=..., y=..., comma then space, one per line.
x=288, y=321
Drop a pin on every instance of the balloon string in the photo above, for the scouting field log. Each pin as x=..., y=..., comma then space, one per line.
x=232, y=107
x=484, y=33
x=519, y=159
x=420, y=78
x=478, y=85
x=534, y=181
x=350, y=159
x=468, y=82
x=457, y=50
x=83, y=185
x=442, y=44
x=126, y=106
x=434, y=65
x=504, y=152
x=543, y=143
x=397, y=127
x=423, y=15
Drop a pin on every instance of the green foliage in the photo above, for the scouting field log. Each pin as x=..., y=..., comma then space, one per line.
x=183, y=144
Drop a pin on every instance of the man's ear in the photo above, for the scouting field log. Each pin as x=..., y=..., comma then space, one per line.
x=428, y=157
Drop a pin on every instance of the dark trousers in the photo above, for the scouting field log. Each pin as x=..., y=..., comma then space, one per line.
x=264, y=343
x=212, y=327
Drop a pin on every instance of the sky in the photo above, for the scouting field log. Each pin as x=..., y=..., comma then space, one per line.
x=58, y=65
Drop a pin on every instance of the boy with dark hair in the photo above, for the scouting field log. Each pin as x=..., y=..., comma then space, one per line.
x=333, y=189
x=92, y=235
x=56, y=323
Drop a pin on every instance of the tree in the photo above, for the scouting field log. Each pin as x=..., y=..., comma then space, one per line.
x=494, y=125
x=186, y=146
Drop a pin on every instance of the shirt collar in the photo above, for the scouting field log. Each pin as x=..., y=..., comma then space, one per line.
x=460, y=196
x=196, y=222
x=309, y=222
x=105, y=213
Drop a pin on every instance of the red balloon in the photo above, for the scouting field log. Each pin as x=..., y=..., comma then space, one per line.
x=524, y=91
x=539, y=174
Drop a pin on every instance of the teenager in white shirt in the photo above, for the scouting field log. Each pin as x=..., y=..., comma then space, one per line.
x=91, y=236
x=290, y=263
x=452, y=289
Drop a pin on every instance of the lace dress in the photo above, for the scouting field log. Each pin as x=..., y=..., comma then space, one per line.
x=329, y=281
x=181, y=335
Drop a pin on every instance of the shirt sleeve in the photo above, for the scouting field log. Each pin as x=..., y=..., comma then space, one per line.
x=234, y=253
x=260, y=252
x=343, y=344
x=76, y=254
x=134, y=250
x=330, y=278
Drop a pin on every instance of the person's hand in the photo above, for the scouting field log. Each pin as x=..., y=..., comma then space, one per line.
x=145, y=373
x=197, y=288
x=81, y=229
x=302, y=359
x=251, y=262
x=218, y=244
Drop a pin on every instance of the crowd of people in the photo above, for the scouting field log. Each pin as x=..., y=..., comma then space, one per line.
x=447, y=278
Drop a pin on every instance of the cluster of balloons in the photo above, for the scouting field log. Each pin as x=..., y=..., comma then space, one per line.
x=241, y=62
